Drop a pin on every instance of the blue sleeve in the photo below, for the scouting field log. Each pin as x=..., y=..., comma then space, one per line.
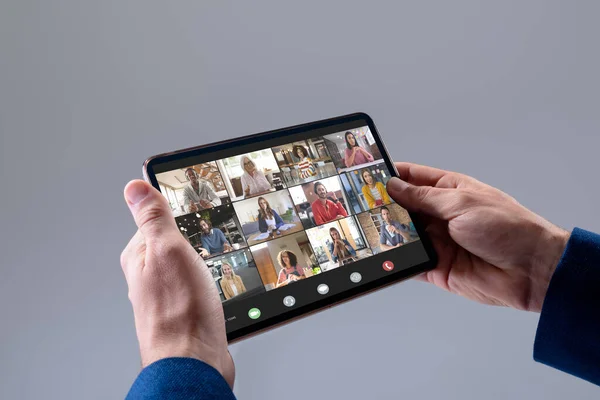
x=278, y=221
x=352, y=251
x=178, y=379
x=568, y=333
x=222, y=237
x=262, y=224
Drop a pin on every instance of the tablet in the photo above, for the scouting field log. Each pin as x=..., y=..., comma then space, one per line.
x=292, y=221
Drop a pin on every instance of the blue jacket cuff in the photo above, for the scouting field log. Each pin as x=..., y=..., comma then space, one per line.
x=178, y=379
x=568, y=334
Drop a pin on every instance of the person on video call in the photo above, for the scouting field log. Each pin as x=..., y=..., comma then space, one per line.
x=339, y=248
x=327, y=207
x=253, y=181
x=268, y=219
x=231, y=283
x=373, y=190
x=290, y=270
x=490, y=249
x=306, y=167
x=355, y=155
x=198, y=195
x=393, y=233
x=213, y=239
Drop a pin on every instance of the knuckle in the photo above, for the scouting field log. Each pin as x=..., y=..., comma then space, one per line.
x=422, y=194
x=150, y=215
x=466, y=198
x=123, y=259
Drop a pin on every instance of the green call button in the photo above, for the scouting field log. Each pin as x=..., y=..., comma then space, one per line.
x=254, y=313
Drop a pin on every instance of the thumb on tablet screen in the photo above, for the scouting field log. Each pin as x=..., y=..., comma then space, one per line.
x=429, y=200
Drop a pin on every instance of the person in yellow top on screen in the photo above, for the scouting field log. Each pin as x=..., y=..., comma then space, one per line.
x=231, y=283
x=373, y=190
x=290, y=270
x=253, y=181
x=306, y=166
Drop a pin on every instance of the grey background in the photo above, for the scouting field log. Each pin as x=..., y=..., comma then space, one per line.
x=506, y=91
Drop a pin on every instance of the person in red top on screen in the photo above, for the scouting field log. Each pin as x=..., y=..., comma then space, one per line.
x=327, y=207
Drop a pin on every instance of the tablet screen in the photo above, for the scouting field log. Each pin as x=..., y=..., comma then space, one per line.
x=292, y=221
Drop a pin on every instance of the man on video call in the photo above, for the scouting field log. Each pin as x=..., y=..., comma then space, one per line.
x=213, y=239
x=393, y=233
x=327, y=207
x=198, y=195
x=490, y=249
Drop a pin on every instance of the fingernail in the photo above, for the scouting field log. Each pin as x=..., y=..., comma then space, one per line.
x=396, y=184
x=135, y=192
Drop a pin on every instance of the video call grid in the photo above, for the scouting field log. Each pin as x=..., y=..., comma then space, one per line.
x=285, y=188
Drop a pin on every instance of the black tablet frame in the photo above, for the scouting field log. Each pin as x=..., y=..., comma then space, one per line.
x=169, y=161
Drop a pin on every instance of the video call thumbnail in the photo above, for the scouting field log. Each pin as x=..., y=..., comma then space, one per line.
x=285, y=260
x=304, y=161
x=212, y=231
x=268, y=216
x=235, y=275
x=338, y=243
x=353, y=148
x=321, y=201
x=252, y=174
x=368, y=184
x=194, y=188
x=387, y=227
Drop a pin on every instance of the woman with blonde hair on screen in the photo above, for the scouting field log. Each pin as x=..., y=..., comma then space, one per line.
x=231, y=283
x=373, y=190
x=253, y=181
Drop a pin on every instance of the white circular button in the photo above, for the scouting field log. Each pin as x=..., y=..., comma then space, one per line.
x=323, y=288
x=355, y=277
x=289, y=301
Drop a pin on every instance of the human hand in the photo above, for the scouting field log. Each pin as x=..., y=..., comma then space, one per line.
x=491, y=249
x=205, y=204
x=203, y=252
x=193, y=207
x=175, y=302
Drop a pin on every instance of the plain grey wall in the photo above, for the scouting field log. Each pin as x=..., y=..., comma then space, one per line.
x=507, y=91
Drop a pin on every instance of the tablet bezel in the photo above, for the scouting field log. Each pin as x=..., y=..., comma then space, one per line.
x=326, y=302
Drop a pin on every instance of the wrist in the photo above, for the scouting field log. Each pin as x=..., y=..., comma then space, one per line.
x=217, y=357
x=553, y=241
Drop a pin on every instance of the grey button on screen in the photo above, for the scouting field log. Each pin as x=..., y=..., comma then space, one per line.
x=323, y=288
x=355, y=277
x=289, y=301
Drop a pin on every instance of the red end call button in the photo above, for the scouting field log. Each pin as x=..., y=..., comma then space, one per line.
x=388, y=266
